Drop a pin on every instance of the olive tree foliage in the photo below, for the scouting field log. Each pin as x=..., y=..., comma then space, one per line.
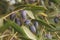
x=30, y=19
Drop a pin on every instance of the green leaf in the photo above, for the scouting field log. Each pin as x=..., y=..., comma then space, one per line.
x=53, y=25
x=36, y=8
x=29, y=33
x=43, y=14
x=4, y=27
x=30, y=14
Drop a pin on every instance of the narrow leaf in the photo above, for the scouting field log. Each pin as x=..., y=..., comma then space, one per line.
x=29, y=33
x=30, y=14
x=43, y=14
x=4, y=27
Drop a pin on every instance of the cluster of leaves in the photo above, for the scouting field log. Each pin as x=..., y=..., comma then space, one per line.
x=30, y=20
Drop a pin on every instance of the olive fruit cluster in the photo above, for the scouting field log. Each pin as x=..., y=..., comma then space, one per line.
x=14, y=18
x=32, y=26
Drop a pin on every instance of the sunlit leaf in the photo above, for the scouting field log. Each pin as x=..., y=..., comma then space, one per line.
x=43, y=14
x=29, y=33
x=30, y=14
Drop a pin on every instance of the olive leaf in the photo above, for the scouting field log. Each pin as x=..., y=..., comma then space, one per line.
x=43, y=14
x=29, y=33
x=30, y=14
x=4, y=27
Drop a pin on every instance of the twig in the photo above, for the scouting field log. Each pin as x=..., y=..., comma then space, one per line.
x=12, y=13
x=57, y=35
x=47, y=20
x=3, y=36
x=13, y=36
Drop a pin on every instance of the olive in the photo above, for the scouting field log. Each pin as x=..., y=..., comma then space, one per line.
x=12, y=16
x=33, y=29
x=36, y=24
x=27, y=22
x=17, y=20
x=56, y=19
x=23, y=14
